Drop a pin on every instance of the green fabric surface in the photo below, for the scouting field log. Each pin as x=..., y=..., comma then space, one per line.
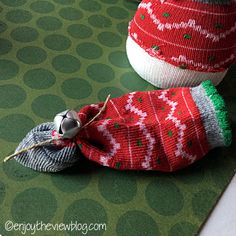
x=65, y=54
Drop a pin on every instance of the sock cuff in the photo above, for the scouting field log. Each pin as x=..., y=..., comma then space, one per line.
x=213, y=114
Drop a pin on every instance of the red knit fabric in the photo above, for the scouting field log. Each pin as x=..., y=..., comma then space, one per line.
x=156, y=130
x=187, y=34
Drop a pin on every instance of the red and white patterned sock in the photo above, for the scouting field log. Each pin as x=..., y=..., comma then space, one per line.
x=175, y=43
x=161, y=130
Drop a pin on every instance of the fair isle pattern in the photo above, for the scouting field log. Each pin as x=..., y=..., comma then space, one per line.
x=184, y=36
x=183, y=58
x=166, y=75
x=181, y=127
x=128, y=133
x=115, y=145
x=159, y=124
x=135, y=37
x=165, y=133
x=191, y=23
x=200, y=11
x=151, y=141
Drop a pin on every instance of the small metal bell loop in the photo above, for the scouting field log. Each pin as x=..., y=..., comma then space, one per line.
x=67, y=123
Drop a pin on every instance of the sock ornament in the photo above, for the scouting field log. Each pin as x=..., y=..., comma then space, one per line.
x=175, y=43
x=163, y=130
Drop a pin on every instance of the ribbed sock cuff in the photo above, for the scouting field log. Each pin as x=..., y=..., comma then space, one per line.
x=213, y=114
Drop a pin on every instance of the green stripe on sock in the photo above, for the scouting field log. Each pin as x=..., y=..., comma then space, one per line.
x=220, y=109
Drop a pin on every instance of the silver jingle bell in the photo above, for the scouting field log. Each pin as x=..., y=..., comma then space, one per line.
x=67, y=123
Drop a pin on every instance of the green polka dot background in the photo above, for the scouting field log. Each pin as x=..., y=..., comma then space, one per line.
x=49, y=23
x=65, y=54
x=42, y=209
x=24, y=34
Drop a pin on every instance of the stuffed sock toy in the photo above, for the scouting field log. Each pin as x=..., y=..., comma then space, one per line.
x=174, y=43
x=163, y=130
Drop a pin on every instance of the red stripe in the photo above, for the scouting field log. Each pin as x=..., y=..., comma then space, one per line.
x=176, y=42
